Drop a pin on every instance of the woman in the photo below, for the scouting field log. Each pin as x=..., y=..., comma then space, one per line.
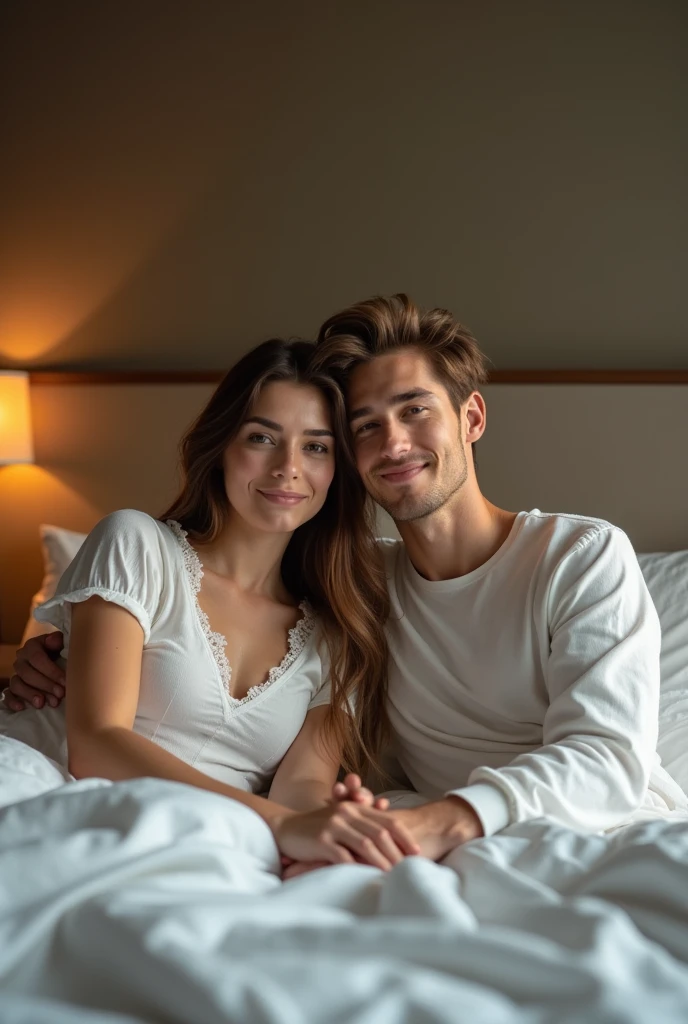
x=221, y=645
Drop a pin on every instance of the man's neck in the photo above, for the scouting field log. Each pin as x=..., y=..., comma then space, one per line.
x=458, y=538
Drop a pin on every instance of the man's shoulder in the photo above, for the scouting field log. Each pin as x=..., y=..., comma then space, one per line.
x=562, y=539
x=568, y=529
x=390, y=548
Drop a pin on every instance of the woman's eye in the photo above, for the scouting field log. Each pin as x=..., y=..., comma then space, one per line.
x=317, y=448
x=260, y=438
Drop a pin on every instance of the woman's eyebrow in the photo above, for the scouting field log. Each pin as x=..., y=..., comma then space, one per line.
x=271, y=425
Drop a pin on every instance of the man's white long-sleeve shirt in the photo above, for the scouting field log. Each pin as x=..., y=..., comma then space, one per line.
x=530, y=687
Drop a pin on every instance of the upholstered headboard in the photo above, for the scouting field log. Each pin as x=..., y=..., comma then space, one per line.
x=562, y=443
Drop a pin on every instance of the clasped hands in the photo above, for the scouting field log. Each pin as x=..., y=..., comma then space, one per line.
x=357, y=827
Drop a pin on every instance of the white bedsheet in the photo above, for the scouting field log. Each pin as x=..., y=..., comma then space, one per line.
x=152, y=901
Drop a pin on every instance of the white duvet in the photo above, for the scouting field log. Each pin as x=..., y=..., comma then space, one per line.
x=151, y=901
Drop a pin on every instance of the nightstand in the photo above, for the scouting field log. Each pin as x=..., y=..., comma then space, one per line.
x=8, y=653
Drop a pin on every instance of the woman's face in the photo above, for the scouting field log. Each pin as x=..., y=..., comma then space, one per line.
x=280, y=465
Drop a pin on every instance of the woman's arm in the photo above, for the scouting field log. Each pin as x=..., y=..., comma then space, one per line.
x=103, y=679
x=306, y=775
x=103, y=682
x=306, y=778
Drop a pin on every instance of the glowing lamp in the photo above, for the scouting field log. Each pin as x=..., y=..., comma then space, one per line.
x=16, y=440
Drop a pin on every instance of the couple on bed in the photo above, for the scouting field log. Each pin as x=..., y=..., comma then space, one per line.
x=501, y=666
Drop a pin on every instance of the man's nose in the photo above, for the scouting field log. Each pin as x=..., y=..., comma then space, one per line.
x=395, y=440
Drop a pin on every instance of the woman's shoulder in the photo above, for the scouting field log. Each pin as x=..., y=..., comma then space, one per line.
x=133, y=531
x=130, y=519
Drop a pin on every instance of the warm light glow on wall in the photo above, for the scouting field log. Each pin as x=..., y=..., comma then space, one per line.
x=16, y=439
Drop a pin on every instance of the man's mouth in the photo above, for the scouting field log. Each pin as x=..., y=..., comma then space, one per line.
x=402, y=474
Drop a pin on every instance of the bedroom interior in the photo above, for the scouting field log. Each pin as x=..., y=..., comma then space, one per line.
x=181, y=182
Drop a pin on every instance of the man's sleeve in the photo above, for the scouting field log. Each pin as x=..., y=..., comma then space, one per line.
x=602, y=678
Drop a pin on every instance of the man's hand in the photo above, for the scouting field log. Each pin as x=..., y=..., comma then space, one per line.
x=37, y=678
x=437, y=829
x=440, y=826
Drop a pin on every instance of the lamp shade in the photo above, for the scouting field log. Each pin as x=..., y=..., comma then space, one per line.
x=16, y=440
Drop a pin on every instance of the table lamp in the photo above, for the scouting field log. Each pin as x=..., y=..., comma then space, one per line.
x=16, y=441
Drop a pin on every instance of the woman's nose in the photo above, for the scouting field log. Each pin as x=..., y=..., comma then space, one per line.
x=288, y=463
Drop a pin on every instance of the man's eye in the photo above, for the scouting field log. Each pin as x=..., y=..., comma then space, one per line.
x=365, y=427
x=416, y=408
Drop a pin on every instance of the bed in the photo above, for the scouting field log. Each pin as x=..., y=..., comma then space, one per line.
x=149, y=901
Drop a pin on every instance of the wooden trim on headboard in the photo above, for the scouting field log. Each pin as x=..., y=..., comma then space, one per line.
x=41, y=378
x=589, y=377
x=47, y=378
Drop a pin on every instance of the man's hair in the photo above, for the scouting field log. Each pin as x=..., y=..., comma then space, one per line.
x=381, y=325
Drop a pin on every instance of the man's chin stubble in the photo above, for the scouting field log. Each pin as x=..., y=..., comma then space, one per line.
x=408, y=510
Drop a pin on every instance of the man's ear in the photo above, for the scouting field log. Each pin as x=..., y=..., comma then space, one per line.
x=475, y=413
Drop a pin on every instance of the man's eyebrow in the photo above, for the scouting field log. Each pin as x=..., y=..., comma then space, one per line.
x=408, y=396
x=404, y=396
x=365, y=410
x=271, y=425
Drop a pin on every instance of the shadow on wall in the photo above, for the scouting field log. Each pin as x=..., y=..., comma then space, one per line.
x=183, y=182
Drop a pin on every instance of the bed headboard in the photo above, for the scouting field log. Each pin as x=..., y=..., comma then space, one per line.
x=608, y=445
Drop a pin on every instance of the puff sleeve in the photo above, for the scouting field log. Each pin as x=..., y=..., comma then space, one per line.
x=120, y=561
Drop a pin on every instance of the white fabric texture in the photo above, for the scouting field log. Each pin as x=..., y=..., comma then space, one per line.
x=530, y=687
x=146, y=900
x=145, y=566
x=666, y=576
x=58, y=547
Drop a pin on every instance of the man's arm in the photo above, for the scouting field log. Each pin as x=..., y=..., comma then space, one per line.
x=600, y=730
x=37, y=678
x=602, y=678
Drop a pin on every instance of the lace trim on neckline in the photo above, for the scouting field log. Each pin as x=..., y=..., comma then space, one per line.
x=297, y=636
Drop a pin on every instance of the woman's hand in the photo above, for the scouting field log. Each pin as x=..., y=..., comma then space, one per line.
x=37, y=679
x=352, y=789
x=344, y=833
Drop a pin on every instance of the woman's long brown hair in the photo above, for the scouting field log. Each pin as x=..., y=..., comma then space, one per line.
x=331, y=561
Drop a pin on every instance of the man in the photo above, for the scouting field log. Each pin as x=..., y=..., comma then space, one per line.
x=524, y=648
x=524, y=672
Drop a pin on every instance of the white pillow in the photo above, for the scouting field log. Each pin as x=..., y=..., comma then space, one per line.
x=666, y=576
x=59, y=548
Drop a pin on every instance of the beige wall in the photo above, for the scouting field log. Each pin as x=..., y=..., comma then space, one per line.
x=615, y=452
x=182, y=179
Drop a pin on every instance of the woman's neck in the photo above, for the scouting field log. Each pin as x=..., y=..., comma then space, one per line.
x=250, y=558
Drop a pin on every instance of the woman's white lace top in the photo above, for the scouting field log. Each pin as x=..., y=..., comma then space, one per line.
x=185, y=706
x=297, y=636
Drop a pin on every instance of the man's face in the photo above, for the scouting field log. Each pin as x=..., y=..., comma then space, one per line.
x=407, y=436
